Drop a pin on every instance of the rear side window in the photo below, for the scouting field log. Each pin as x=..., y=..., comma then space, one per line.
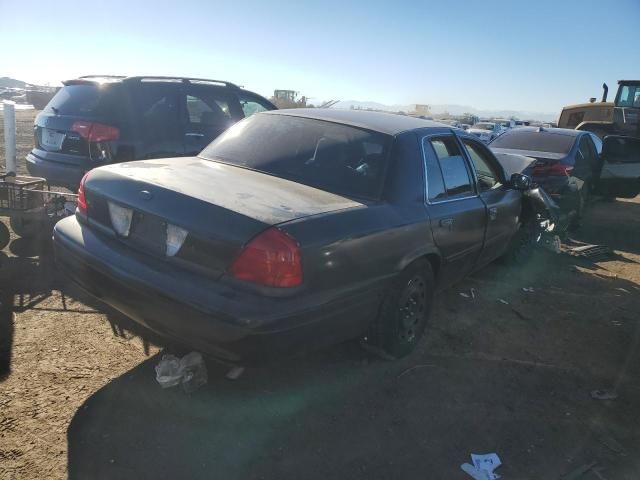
x=329, y=156
x=586, y=150
x=84, y=101
x=596, y=142
x=157, y=107
x=540, y=141
x=456, y=174
x=436, y=190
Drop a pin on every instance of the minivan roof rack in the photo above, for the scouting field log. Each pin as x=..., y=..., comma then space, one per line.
x=178, y=79
x=102, y=76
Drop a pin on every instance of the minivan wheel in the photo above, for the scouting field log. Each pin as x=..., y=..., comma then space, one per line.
x=404, y=312
x=523, y=243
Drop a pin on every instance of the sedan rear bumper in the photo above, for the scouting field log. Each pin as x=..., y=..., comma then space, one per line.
x=208, y=315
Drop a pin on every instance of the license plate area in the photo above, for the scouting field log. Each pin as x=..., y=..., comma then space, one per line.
x=149, y=233
x=51, y=139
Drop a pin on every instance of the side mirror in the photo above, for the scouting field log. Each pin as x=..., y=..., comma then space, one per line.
x=520, y=181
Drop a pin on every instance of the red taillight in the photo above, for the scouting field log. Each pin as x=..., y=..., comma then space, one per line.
x=271, y=259
x=82, y=200
x=556, y=168
x=95, y=132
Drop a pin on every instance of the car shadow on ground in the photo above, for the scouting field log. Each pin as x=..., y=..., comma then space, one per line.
x=510, y=378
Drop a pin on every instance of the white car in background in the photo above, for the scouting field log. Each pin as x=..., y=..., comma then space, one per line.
x=485, y=131
x=506, y=124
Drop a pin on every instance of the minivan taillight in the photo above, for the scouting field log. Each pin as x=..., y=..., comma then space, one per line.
x=95, y=132
x=82, y=200
x=271, y=259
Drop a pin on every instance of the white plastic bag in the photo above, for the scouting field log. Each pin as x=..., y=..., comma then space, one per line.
x=190, y=371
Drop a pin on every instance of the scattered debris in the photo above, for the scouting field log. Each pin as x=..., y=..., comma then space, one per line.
x=503, y=301
x=612, y=444
x=520, y=315
x=598, y=473
x=528, y=289
x=471, y=294
x=482, y=466
x=415, y=367
x=590, y=252
x=579, y=472
x=235, y=373
x=603, y=395
x=190, y=371
x=552, y=243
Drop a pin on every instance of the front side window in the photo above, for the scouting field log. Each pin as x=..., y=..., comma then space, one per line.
x=208, y=109
x=456, y=174
x=333, y=157
x=252, y=105
x=486, y=171
x=629, y=96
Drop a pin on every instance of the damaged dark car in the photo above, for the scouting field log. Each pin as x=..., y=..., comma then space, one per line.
x=294, y=230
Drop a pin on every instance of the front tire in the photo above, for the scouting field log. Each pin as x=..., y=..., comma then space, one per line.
x=404, y=312
x=523, y=243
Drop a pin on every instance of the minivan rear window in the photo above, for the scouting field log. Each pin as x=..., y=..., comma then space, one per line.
x=82, y=101
x=533, y=140
x=333, y=157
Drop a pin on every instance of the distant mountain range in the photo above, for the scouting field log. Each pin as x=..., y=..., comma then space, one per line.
x=6, y=82
x=452, y=109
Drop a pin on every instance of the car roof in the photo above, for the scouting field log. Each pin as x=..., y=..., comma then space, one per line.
x=556, y=131
x=383, y=122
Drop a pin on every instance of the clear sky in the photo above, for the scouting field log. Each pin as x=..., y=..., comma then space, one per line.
x=534, y=55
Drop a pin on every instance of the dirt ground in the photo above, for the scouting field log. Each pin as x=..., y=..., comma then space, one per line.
x=515, y=379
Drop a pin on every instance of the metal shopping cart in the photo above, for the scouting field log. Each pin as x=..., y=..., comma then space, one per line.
x=31, y=206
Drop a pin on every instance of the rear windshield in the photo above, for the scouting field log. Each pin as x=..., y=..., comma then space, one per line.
x=536, y=141
x=333, y=157
x=484, y=126
x=83, y=101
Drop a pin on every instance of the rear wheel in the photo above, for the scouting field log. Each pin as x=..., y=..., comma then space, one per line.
x=404, y=311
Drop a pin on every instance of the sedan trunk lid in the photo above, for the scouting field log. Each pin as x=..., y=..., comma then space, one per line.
x=221, y=206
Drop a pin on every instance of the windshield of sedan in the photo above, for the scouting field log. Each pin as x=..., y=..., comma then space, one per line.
x=333, y=157
x=534, y=140
x=484, y=126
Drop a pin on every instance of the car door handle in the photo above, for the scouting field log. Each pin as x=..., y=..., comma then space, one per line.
x=194, y=134
x=493, y=213
x=446, y=222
